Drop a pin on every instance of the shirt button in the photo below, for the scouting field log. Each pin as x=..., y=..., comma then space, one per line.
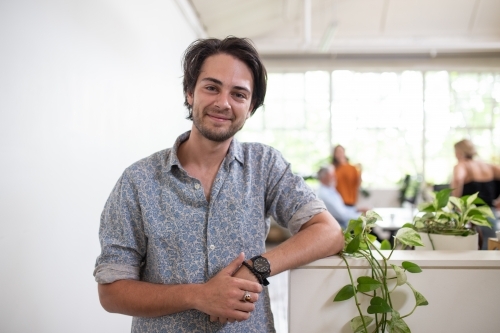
x=197, y=186
x=212, y=247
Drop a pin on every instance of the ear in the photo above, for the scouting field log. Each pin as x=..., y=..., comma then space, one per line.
x=249, y=112
x=190, y=98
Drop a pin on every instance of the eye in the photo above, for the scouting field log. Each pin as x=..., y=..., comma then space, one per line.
x=240, y=95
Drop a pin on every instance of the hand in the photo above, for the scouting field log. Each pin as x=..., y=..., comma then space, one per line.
x=222, y=296
x=244, y=273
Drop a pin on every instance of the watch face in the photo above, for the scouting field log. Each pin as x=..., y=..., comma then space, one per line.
x=261, y=265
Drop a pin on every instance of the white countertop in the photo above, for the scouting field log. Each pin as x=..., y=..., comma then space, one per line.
x=450, y=259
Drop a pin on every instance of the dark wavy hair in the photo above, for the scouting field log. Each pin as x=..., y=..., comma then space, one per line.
x=240, y=48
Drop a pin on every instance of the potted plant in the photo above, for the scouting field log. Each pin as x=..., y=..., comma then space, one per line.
x=447, y=223
x=380, y=315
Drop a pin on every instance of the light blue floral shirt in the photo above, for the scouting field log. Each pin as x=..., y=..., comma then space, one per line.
x=157, y=226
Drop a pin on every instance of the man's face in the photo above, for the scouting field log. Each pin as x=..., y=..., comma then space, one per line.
x=222, y=97
x=331, y=178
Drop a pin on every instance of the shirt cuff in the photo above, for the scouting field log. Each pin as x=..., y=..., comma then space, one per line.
x=304, y=214
x=108, y=273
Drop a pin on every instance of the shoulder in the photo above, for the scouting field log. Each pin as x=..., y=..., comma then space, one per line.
x=460, y=166
x=460, y=170
x=255, y=152
x=148, y=166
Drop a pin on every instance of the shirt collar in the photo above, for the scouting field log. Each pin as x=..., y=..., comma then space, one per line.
x=235, y=152
x=172, y=158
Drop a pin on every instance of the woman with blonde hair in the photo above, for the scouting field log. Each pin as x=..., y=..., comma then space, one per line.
x=472, y=175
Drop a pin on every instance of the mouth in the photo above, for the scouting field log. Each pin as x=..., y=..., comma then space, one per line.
x=218, y=117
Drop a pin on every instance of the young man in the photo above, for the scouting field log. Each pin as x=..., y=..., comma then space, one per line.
x=183, y=231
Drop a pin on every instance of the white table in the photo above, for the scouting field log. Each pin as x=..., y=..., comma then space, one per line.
x=393, y=218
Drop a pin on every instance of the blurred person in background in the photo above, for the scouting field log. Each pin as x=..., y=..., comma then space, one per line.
x=348, y=177
x=471, y=175
x=332, y=199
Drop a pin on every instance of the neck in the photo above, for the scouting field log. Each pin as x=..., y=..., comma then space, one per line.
x=201, y=152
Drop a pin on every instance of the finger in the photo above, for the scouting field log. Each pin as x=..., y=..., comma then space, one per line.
x=231, y=320
x=234, y=265
x=254, y=297
x=222, y=320
x=251, y=286
x=213, y=319
x=243, y=306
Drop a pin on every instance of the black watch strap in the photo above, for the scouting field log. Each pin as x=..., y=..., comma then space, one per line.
x=263, y=281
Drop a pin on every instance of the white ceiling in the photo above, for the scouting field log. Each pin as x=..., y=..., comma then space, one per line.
x=305, y=27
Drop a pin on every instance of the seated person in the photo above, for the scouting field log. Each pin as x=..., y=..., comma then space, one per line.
x=471, y=175
x=332, y=199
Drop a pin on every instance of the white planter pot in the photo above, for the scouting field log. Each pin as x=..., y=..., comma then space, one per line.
x=448, y=242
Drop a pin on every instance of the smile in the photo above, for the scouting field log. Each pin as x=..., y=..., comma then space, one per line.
x=218, y=118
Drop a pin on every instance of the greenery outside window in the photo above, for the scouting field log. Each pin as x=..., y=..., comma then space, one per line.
x=391, y=123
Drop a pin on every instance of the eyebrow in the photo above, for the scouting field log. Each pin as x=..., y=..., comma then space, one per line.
x=211, y=79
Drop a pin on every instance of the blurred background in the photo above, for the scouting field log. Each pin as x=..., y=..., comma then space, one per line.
x=89, y=87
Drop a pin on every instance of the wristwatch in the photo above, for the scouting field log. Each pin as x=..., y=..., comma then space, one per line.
x=261, y=269
x=262, y=266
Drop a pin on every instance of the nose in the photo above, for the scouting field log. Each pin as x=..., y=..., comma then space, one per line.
x=222, y=101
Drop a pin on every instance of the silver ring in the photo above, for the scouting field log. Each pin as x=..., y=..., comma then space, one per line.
x=246, y=297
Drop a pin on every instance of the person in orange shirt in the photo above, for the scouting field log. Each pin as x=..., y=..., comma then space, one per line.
x=348, y=176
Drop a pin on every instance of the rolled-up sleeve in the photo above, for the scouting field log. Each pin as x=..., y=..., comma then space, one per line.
x=291, y=201
x=121, y=234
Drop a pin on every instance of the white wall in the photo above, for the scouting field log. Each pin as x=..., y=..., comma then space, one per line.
x=87, y=87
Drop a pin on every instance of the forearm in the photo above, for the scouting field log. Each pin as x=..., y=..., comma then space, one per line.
x=318, y=238
x=143, y=299
x=219, y=297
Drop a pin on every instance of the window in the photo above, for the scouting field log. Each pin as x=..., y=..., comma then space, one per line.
x=391, y=123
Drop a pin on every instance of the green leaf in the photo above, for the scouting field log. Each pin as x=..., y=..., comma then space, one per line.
x=353, y=245
x=345, y=293
x=411, y=267
x=366, y=283
x=442, y=198
x=480, y=220
x=371, y=238
x=457, y=203
x=408, y=225
x=419, y=225
x=472, y=198
x=426, y=207
x=409, y=237
x=353, y=224
x=400, y=275
x=385, y=245
x=378, y=305
x=420, y=299
x=486, y=211
x=372, y=215
x=475, y=212
x=398, y=325
x=357, y=323
x=479, y=201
